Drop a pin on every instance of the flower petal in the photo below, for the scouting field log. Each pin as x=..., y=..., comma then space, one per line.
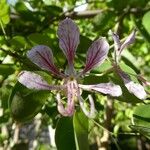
x=134, y=88
x=42, y=56
x=105, y=88
x=130, y=39
x=35, y=81
x=91, y=113
x=68, y=111
x=68, y=34
x=117, y=43
x=96, y=54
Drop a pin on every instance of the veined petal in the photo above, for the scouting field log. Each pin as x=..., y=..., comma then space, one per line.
x=134, y=88
x=130, y=39
x=42, y=56
x=105, y=88
x=34, y=81
x=68, y=34
x=91, y=113
x=96, y=54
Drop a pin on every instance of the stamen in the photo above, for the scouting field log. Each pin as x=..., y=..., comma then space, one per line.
x=91, y=113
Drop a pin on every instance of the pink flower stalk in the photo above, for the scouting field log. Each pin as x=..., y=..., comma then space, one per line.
x=42, y=56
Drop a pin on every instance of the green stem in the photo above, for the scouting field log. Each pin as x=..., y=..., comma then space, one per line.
x=3, y=30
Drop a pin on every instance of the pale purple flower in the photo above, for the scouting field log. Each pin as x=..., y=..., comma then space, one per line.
x=134, y=88
x=68, y=34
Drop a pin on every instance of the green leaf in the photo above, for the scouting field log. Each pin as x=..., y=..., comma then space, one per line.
x=4, y=9
x=146, y=21
x=20, y=7
x=80, y=123
x=129, y=71
x=4, y=12
x=2, y=41
x=141, y=120
x=6, y=69
x=141, y=115
x=24, y=103
x=103, y=67
x=18, y=42
x=64, y=135
x=5, y=19
x=130, y=60
x=138, y=23
x=4, y=96
x=92, y=79
x=25, y=13
x=37, y=38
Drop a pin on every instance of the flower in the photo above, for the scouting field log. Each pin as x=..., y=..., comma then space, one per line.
x=134, y=88
x=42, y=56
